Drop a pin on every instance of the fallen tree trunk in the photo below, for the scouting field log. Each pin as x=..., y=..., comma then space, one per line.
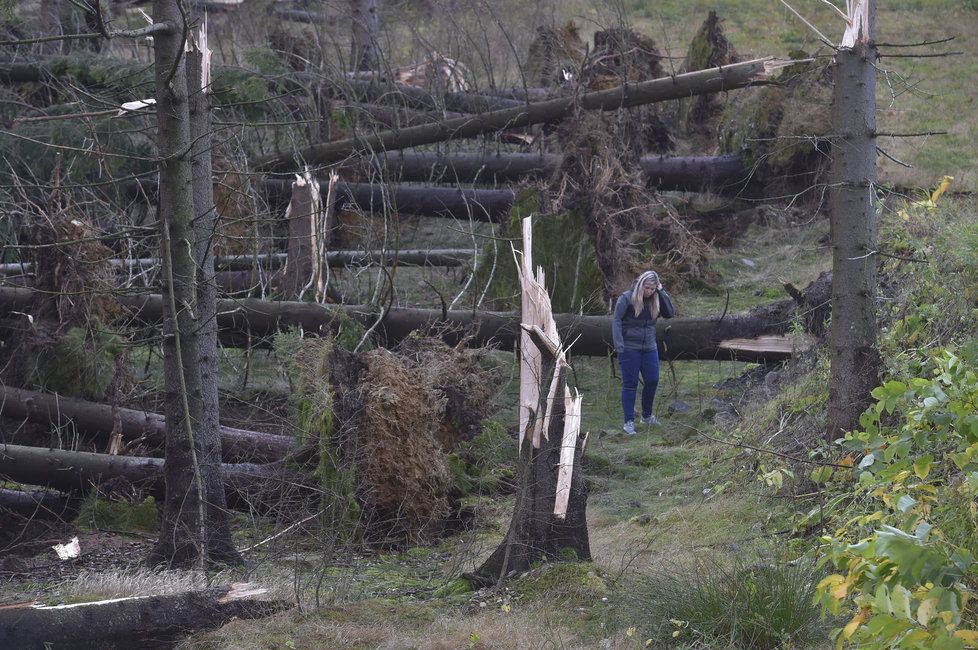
x=122, y=622
x=240, y=321
x=34, y=504
x=759, y=71
x=246, y=484
x=663, y=172
x=335, y=259
x=100, y=420
x=430, y=201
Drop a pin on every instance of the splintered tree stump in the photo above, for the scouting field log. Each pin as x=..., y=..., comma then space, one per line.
x=550, y=515
x=535, y=532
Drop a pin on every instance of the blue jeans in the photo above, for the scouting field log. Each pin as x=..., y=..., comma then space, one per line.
x=634, y=362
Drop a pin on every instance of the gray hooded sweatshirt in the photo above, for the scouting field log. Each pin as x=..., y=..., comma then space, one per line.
x=631, y=332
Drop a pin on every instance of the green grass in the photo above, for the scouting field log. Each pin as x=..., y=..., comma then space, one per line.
x=740, y=601
x=914, y=94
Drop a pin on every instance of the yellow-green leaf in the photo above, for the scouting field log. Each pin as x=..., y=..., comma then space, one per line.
x=922, y=466
x=856, y=621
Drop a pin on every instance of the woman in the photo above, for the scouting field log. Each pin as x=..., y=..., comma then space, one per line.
x=633, y=330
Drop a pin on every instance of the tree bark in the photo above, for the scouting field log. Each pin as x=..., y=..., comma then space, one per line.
x=240, y=321
x=123, y=622
x=854, y=356
x=689, y=173
x=365, y=35
x=50, y=25
x=646, y=92
x=271, y=261
x=34, y=504
x=98, y=421
x=194, y=527
x=247, y=485
x=308, y=227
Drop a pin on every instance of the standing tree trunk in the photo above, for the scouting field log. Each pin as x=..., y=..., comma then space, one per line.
x=365, y=29
x=194, y=528
x=855, y=359
x=49, y=24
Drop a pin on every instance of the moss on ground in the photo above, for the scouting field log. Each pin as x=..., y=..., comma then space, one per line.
x=97, y=513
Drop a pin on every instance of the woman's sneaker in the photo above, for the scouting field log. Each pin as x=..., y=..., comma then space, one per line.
x=629, y=428
x=651, y=420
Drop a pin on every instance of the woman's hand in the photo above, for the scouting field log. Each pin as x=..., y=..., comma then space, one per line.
x=659, y=287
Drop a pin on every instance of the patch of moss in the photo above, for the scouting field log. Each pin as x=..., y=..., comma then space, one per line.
x=567, y=582
x=418, y=553
x=101, y=514
x=456, y=587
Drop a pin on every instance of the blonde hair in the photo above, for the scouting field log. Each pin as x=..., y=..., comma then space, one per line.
x=638, y=294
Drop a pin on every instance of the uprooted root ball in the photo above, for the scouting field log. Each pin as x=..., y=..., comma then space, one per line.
x=404, y=478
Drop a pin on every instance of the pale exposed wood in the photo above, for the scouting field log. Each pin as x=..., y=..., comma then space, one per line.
x=302, y=272
x=858, y=24
x=531, y=361
x=787, y=344
x=568, y=447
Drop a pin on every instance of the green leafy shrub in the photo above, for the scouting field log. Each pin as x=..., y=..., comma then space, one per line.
x=740, y=602
x=907, y=582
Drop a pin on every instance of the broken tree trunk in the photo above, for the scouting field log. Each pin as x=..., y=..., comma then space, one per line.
x=681, y=338
x=194, y=528
x=550, y=514
x=100, y=420
x=309, y=223
x=854, y=356
x=246, y=484
x=759, y=71
x=122, y=622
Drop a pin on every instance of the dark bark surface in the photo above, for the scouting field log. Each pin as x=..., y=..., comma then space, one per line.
x=194, y=527
x=99, y=420
x=129, y=622
x=247, y=485
x=854, y=356
x=36, y=504
x=365, y=35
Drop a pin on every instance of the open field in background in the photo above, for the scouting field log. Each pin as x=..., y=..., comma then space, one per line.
x=915, y=95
